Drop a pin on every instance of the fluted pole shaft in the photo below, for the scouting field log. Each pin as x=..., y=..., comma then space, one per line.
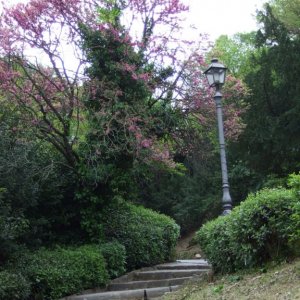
x=226, y=200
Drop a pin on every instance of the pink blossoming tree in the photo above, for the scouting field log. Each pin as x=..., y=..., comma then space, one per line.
x=36, y=39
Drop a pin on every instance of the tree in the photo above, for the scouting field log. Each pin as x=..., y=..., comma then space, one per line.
x=39, y=187
x=131, y=103
x=288, y=12
x=235, y=52
x=51, y=101
x=46, y=94
x=53, y=94
x=270, y=142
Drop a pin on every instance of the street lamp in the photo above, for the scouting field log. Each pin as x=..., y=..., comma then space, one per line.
x=216, y=74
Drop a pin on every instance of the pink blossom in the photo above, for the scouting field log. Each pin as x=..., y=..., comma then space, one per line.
x=132, y=128
x=138, y=135
x=146, y=143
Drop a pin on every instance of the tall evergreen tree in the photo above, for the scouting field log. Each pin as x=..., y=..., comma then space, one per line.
x=271, y=140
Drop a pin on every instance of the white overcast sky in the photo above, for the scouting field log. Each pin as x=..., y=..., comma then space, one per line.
x=217, y=17
x=213, y=17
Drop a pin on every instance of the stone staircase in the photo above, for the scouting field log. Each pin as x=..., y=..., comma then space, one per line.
x=149, y=283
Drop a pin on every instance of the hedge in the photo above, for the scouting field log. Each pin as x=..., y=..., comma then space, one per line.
x=60, y=272
x=13, y=285
x=260, y=229
x=149, y=237
x=114, y=255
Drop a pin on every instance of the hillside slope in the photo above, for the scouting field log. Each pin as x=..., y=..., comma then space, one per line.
x=281, y=282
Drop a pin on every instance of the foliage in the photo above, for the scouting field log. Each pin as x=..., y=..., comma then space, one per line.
x=39, y=187
x=133, y=105
x=149, y=237
x=114, y=255
x=133, y=136
x=257, y=230
x=199, y=101
x=13, y=286
x=288, y=12
x=128, y=101
x=272, y=281
x=12, y=225
x=52, y=101
x=235, y=52
x=61, y=272
x=191, y=195
x=122, y=136
x=117, y=102
x=269, y=142
x=45, y=96
x=265, y=151
x=294, y=183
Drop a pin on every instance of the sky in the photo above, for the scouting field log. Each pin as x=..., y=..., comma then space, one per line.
x=213, y=17
x=217, y=17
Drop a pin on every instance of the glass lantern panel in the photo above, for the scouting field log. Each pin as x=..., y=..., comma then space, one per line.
x=222, y=76
x=210, y=78
x=216, y=76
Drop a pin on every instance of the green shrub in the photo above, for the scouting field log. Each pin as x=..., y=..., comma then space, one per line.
x=149, y=237
x=60, y=272
x=13, y=286
x=115, y=257
x=13, y=224
x=294, y=183
x=258, y=230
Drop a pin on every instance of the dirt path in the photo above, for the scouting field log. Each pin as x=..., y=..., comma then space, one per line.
x=187, y=247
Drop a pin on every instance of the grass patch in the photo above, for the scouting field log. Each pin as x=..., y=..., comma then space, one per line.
x=268, y=283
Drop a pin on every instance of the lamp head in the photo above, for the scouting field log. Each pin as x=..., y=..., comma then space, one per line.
x=216, y=73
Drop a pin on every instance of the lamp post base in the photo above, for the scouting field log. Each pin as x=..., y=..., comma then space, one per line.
x=226, y=200
x=226, y=212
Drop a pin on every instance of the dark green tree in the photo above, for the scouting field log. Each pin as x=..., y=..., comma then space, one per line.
x=270, y=143
x=288, y=12
x=235, y=52
x=37, y=189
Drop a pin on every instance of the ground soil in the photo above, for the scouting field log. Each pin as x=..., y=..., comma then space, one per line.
x=274, y=282
x=187, y=247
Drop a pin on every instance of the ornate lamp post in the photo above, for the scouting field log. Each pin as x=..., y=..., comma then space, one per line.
x=216, y=74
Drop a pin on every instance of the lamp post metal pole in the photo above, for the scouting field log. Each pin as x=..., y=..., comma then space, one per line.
x=226, y=199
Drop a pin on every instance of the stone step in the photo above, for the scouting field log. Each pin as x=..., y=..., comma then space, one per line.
x=143, y=284
x=177, y=265
x=182, y=265
x=148, y=283
x=138, y=294
x=167, y=274
x=192, y=261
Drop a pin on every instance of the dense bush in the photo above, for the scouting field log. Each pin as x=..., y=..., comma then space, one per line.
x=60, y=272
x=12, y=226
x=37, y=205
x=294, y=183
x=258, y=230
x=149, y=237
x=13, y=286
x=114, y=254
x=188, y=194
